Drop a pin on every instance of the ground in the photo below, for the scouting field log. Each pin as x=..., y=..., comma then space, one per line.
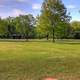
x=36, y=60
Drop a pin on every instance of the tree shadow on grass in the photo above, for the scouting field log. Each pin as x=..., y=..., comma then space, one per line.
x=71, y=42
x=24, y=40
x=57, y=41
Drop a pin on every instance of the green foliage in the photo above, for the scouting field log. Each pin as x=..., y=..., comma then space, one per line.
x=53, y=16
x=75, y=25
x=53, y=22
x=22, y=25
x=2, y=27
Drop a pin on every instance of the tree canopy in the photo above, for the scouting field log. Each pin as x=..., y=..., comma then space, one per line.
x=53, y=22
x=53, y=15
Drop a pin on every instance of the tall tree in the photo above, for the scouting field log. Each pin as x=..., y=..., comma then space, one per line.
x=24, y=25
x=11, y=30
x=53, y=14
x=3, y=28
x=75, y=25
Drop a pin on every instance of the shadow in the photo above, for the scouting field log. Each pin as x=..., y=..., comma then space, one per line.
x=12, y=40
x=57, y=41
x=24, y=40
x=69, y=41
x=73, y=43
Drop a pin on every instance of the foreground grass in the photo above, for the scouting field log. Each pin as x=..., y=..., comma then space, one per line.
x=36, y=60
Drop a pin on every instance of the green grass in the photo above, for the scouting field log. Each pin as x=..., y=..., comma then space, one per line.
x=36, y=60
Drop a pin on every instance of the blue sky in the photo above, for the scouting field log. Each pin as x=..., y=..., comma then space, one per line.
x=17, y=7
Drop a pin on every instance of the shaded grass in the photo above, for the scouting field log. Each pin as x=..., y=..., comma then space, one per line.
x=36, y=60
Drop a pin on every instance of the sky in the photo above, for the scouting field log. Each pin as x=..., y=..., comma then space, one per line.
x=16, y=7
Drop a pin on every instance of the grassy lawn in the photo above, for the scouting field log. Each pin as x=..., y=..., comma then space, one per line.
x=36, y=60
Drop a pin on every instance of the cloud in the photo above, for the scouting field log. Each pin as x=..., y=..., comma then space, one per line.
x=24, y=1
x=20, y=0
x=13, y=13
x=71, y=6
x=36, y=6
x=17, y=12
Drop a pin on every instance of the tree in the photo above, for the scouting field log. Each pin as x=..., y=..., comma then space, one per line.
x=11, y=30
x=43, y=26
x=24, y=25
x=53, y=14
x=75, y=25
x=3, y=29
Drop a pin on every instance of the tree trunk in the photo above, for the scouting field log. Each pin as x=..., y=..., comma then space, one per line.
x=26, y=36
x=47, y=36
x=53, y=36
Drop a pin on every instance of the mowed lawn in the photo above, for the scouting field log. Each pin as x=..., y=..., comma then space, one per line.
x=38, y=60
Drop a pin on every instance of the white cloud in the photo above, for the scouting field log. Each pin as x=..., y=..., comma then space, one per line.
x=20, y=0
x=71, y=6
x=17, y=12
x=13, y=13
x=36, y=6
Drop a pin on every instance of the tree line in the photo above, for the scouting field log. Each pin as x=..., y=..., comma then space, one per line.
x=21, y=27
x=53, y=22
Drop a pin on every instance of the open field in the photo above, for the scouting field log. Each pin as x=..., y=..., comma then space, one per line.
x=36, y=60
